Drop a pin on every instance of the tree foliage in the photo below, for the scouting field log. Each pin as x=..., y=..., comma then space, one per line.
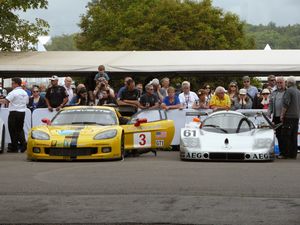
x=17, y=33
x=62, y=43
x=287, y=37
x=159, y=25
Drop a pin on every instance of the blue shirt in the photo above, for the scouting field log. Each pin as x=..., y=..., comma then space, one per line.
x=120, y=91
x=252, y=91
x=101, y=75
x=168, y=103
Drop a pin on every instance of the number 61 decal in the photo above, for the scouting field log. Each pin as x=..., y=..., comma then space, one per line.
x=190, y=133
x=142, y=140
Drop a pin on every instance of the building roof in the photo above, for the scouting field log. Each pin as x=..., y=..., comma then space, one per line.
x=252, y=62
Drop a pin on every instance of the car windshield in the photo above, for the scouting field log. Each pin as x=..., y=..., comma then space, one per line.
x=227, y=123
x=151, y=115
x=85, y=116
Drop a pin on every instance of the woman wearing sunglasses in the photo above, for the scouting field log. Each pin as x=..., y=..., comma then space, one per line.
x=36, y=100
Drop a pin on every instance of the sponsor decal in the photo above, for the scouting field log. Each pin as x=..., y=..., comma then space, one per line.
x=261, y=156
x=161, y=134
x=74, y=137
x=67, y=142
x=142, y=140
x=193, y=155
x=160, y=143
x=53, y=143
x=190, y=133
x=133, y=128
x=66, y=132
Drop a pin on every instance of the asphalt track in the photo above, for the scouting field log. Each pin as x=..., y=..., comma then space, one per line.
x=149, y=190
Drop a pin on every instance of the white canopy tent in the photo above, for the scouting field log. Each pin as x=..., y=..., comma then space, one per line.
x=252, y=62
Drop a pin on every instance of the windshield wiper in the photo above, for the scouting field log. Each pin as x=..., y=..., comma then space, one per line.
x=217, y=127
x=101, y=124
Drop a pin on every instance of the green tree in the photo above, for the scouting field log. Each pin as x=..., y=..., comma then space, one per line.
x=277, y=37
x=16, y=33
x=160, y=25
x=62, y=43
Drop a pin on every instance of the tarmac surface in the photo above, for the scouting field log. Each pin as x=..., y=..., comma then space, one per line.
x=149, y=190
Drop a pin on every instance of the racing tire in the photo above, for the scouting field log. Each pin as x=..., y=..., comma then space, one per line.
x=122, y=148
x=3, y=140
x=175, y=147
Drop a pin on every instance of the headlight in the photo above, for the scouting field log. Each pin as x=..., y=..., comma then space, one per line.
x=40, y=135
x=191, y=142
x=106, y=135
x=262, y=143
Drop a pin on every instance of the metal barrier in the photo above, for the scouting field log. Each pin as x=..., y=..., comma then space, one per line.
x=27, y=123
x=180, y=117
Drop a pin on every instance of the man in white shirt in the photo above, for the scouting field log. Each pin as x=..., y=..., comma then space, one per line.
x=17, y=100
x=187, y=97
x=68, y=87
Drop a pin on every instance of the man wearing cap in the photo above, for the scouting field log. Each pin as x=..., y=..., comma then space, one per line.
x=56, y=95
x=68, y=87
x=251, y=90
x=18, y=100
x=290, y=119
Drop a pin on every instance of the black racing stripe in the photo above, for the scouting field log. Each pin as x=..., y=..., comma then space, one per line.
x=75, y=136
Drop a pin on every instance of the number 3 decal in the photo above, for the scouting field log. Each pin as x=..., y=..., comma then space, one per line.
x=142, y=140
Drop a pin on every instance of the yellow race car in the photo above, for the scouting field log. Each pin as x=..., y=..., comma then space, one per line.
x=95, y=132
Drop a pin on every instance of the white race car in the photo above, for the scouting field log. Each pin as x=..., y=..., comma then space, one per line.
x=229, y=135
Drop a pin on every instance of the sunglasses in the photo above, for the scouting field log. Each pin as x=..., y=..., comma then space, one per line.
x=265, y=94
x=35, y=91
x=272, y=80
x=232, y=86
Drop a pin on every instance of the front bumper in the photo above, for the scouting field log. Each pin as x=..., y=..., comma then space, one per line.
x=222, y=155
x=98, y=150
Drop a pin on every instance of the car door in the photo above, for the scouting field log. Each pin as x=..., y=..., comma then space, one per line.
x=156, y=132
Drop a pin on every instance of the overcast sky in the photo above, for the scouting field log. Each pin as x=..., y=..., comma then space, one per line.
x=64, y=15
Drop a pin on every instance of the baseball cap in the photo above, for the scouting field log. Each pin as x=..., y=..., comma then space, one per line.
x=54, y=77
x=265, y=91
x=243, y=91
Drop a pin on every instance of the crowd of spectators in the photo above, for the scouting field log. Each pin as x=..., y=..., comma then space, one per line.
x=155, y=94
x=160, y=94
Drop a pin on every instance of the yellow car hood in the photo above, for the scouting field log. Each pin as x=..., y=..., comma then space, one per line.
x=70, y=130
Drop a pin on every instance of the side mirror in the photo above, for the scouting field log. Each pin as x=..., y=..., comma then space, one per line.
x=139, y=121
x=46, y=121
